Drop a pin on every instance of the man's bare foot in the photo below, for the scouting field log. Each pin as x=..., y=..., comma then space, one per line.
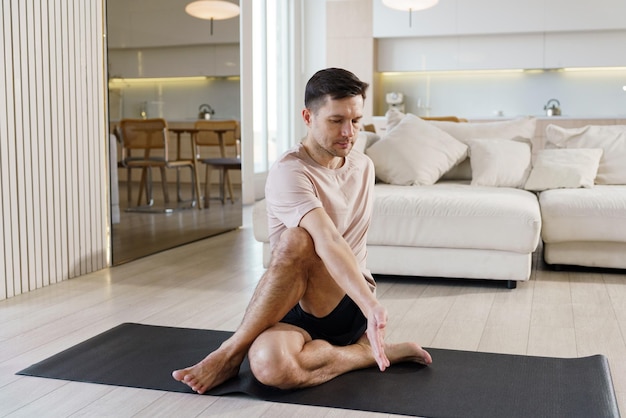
x=407, y=351
x=401, y=352
x=213, y=370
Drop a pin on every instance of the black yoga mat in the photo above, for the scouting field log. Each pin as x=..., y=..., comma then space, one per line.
x=458, y=383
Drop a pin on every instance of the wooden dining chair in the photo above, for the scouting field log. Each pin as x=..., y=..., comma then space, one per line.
x=218, y=147
x=145, y=146
x=444, y=118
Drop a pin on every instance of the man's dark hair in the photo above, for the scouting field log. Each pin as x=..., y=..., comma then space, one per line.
x=334, y=82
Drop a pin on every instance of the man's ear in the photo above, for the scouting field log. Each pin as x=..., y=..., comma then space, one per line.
x=306, y=116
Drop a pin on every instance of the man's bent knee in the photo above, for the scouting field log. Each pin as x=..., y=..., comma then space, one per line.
x=295, y=244
x=273, y=369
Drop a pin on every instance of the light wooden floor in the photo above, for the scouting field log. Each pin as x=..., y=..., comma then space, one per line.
x=207, y=284
x=139, y=234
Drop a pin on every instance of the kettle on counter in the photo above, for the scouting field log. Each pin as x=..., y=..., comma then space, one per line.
x=205, y=112
x=553, y=108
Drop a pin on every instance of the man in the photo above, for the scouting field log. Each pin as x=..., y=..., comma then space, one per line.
x=314, y=314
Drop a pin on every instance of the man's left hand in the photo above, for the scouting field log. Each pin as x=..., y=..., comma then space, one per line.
x=376, y=323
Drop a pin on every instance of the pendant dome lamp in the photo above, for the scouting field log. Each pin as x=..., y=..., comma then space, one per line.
x=410, y=5
x=212, y=10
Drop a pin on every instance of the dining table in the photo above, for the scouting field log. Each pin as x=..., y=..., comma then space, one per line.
x=193, y=133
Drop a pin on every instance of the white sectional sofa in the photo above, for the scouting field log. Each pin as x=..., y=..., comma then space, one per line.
x=586, y=226
x=473, y=200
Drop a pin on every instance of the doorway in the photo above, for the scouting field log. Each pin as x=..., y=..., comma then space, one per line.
x=163, y=63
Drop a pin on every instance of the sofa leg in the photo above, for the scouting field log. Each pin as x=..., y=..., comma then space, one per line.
x=511, y=284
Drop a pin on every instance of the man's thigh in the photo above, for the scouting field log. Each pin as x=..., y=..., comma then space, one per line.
x=295, y=259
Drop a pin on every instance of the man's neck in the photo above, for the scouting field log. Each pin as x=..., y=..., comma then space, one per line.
x=321, y=156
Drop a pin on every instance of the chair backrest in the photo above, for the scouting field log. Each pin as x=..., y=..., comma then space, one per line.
x=444, y=118
x=144, y=133
x=208, y=138
x=370, y=127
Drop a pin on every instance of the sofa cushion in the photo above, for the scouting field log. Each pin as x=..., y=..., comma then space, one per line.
x=611, y=138
x=597, y=214
x=564, y=168
x=455, y=215
x=415, y=153
x=364, y=140
x=464, y=132
x=506, y=129
x=500, y=163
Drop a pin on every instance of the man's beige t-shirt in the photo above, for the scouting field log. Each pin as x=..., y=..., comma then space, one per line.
x=297, y=184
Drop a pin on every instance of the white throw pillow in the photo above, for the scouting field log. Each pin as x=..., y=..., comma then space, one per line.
x=500, y=163
x=393, y=116
x=364, y=140
x=502, y=130
x=611, y=138
x=415, y=153
x=564, y=168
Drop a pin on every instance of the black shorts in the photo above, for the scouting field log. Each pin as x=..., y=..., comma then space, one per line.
x=343, y=326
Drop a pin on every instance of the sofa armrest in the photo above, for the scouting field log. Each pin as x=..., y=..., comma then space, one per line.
x=259, y=222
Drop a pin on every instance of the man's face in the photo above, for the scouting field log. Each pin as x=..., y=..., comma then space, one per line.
x=335, y=126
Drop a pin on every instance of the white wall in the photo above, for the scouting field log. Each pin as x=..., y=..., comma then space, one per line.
x=350, y=44
x=308, y=54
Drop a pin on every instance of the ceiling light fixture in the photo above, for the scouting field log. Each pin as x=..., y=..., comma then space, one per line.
x=410, y=6
x=212, y=10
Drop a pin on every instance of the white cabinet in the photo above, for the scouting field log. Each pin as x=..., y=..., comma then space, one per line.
x=226, y=60
x=411, y=54
x=481, y=52
x=207, y=60
x=499, y=16
x=583, y=15
x=585, y=49
x=502, y=52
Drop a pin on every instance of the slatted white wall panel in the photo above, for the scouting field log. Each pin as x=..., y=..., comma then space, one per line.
x=53, y=153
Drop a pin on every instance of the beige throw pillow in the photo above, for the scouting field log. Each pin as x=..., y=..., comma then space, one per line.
x=415, y=153
x=564, y=168
x=610, y=138
x=500, y=163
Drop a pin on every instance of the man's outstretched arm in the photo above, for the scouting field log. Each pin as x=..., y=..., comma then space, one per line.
x=342, y=265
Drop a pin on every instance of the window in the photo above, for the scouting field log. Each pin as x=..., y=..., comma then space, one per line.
x=273, y=81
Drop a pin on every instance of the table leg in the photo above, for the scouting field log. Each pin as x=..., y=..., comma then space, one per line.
x=178, y=155
x=195, y=170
